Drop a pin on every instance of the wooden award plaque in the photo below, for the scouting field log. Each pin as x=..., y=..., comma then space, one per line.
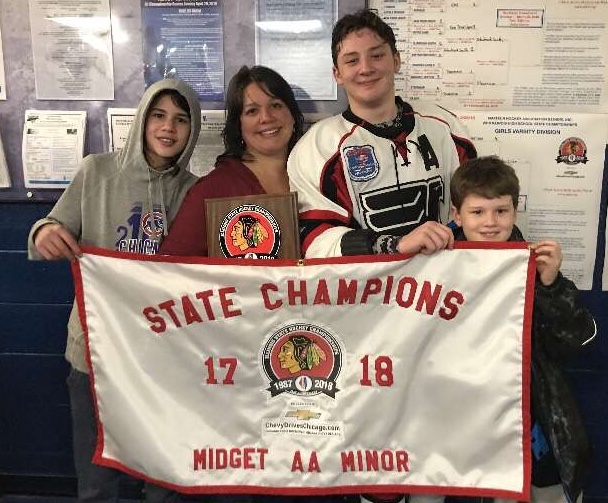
x=260, y=226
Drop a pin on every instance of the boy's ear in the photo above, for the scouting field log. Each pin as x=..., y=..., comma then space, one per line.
x=397, y=61
x=456, y=216
x=337, y=75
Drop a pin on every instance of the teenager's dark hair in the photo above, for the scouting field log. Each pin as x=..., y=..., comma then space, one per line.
x=364, y=18
x=487, y=176
x=177, y=99
x=274, y=85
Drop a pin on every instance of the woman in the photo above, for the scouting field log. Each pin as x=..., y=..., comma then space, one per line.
x=263, y=124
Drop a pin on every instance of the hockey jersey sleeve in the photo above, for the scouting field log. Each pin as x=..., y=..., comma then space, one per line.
x=460, y=136
x=315, y=173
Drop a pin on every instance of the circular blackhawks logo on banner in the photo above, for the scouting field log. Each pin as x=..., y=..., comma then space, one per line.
x=302, y=359
x=250, y=231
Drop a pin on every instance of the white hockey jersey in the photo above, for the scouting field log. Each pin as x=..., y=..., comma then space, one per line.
x=353, y=175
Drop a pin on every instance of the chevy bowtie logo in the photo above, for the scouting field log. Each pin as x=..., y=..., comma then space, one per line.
x=304, y=415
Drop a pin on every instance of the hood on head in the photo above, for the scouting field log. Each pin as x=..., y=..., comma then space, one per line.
x=133, y=150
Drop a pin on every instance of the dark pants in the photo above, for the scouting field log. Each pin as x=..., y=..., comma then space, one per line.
x=97, y=484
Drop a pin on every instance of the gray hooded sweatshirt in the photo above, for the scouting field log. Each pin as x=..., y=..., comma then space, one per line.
x=117, y=201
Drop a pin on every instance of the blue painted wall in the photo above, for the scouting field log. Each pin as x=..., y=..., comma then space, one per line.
x=35, y=298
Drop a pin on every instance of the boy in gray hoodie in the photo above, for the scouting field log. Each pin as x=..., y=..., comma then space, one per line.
x=122, y=201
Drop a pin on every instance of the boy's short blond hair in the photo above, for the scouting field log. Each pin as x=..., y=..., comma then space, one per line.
x=487, y=176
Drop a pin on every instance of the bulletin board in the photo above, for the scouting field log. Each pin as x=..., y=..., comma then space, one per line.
x=129, y=83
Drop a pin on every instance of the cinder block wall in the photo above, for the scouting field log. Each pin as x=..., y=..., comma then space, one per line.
x=35, y=298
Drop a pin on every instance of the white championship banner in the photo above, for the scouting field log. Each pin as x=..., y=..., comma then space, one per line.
x=350, y=375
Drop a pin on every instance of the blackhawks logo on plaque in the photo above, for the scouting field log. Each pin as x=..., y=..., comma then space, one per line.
x=250, y=231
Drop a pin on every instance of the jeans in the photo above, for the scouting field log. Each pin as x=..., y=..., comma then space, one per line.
x=98, y=484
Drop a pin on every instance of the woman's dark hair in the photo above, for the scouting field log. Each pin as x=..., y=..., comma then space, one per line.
x=354, y=22
x=274, y=85
x=177, y=99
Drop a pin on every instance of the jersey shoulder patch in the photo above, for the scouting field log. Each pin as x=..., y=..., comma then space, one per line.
x=361, y=162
